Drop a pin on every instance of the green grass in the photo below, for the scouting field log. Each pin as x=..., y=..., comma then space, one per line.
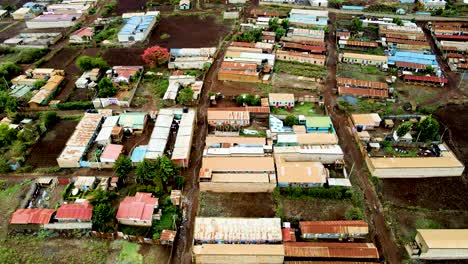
x=300, y=69
x=129, y=253
x=11, y=191
x=360, y=72
x=307, y=109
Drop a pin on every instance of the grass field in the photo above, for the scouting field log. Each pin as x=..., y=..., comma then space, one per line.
x=360, y=72
x=300, y=69
x=307, y=109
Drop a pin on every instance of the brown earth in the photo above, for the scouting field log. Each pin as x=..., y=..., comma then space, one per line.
x=189, y=32
x=230, y=89
x=123, y=56
x=236, y=205
x=7, y=30
x=45, y=152
x=141, y=139
x=315, y=209
x=124, y=6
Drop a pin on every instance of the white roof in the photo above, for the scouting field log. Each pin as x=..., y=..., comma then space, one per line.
x=339, y=182
x=104, y=134
x=287, y=138
x=157, y=145
x=322, y=149
x=153, y=155
x=111, y=121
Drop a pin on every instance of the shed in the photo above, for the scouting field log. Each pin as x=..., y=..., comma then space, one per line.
x=133, y=121
x=111, y=153
x=318, y=124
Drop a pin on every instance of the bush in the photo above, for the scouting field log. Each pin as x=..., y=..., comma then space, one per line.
x=354, y=213
x=105, y=34
x=185, y=96
x=291, y=120
x=248, y=99
x=31, y=55
x=86, y=63
x=337, y=193
x=254, y=35
x=8, y=70
x=75, y=105
x=106, y=88
x=39, y=83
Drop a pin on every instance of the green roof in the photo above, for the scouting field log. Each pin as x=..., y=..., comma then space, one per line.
x=133, y=120
x=318, y=121
x=20, y=90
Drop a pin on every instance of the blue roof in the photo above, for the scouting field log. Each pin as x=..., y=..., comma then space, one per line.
x=413, y=57
x=277, y=126
x=347, y=7
x=137, y=24
x=138, y=153
x=308, y=19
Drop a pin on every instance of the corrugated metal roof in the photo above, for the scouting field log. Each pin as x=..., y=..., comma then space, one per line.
x=32, y=216
x=138, y=207
x=111, y=152
x=362, y=83
x=433, y=79
x=334, y=227
x=75, y=211
x=354, y=91
x=331, y=250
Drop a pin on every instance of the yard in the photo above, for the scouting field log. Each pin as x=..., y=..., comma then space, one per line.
x=300, y=69
x=236, y=205
x=307, y=109
x=360, y=72
x=11, y=195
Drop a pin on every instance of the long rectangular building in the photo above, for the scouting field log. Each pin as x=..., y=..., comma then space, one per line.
x=234, y=254
x=329, y=250
x=334, y=229
x=441, y=244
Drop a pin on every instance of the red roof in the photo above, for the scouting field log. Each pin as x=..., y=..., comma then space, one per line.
x=64, y=181
x=362, y=92
x=425, y=79
x=75, y=211
x=331, y=250
x=38, y=216
x=361, y=83
x=310, y=48
x=138, y=207
x=420, y=38
x=84, y=32
x=410, y=65
x=327, y=262
x=257, y=12
x=464, y=37
x=289, y=234
x=329, y=227
x=454, y=55
x=243, y=44
x=343, y=34
x=407, y=41
x=168, y=235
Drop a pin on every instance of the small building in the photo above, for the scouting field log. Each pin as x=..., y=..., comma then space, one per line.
x=322, y=124
x=218, y=118
x=318, y=3
x=366, y=121
x=75, y=212
x=137, y=28
x=440, y=244
x=133, y=122
x=83, y=35
x=301, y=57
x=167, y=237
x=184, y=4
x=31, y=216
x=23, y=13
x=40, y=40
x=88, y=79
x=425, y=80
x=54, y=21
x=308, y=18
x=364, y=59
x=431, y=5
x=111, y=153
x=84, y=183
x=3, y=14
x=240, y=72
x=176, y=197
x=281, y=100
x=334, y=229
x=331, y=250
x=304, y=174
x=183, y=143
x=46, y=92
x=137, y=210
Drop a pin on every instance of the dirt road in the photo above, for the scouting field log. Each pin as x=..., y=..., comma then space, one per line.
x=183, y=246
x=381, y=235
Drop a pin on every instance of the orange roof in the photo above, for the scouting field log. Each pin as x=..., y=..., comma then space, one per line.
x=433, y=79
x=331, y=250
x=300, y=54
x=138, y=207
x=243, y=44
x=362, y=92
x=228, y=65
x=361, y=83
x=75, y=211
x=310, y=48
x=362, y=43
x=330, y=227
x=84, y=32
x=168, y=235
x=32, y=216
x=406, y=41
x=289, y=234
x=257, y=12
x=410, y=65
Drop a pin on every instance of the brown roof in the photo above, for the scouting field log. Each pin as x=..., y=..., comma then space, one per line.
x=168, y=235
x=400, y=36
x=257, y=12
x=306, y=42
x=454, y=55
x=433, y=79
x=343, y=34
x=406, y=41
x=331, y=250
x=241, y=72
x=251, y=109
x=310, y=48
x=328, y=262
x=228, y=65
x=243, y=44
x=361, y=83
x=361, y=43
x=333, y=227
x=462, y=66
x=410, y=65
x=362, y=92
x=300, y=54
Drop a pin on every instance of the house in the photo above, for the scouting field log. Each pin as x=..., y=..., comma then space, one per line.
x=46, y=92
x=318, y=3
x=184, y=4
x=31, y=216
x=191, y=58
x=137, y=28
x=133, y=122
x=362, y=88
x=414, y=57
x=167, y=237
x=440, y=244
x=66, y=8
x=23, y=13
x=82, y=36
x=277, y=125
x=445, y=165
x=236, y=230
x=105, y=134
x=249, y=55
x=85, y=183
x=326, y=154
x=431, y=5
x=220, y=118
x=366, y=121
x=322, y=124
x=343, y=35
x=184, y=139
x=295, y=34
x=334, y=229
x=88, y=79
x=137, y=210
x=358, y=45
x=300, y=57
x=54, y=21
x=303, y=48
x=241, y=72
x=281, y=100
x=308, y=18
x=176, y=83
x=75, y=212
x=111, y=153
x=160, y=135
x=330, y=250
x=304, y=174
x=223, y=173
x=33, y=40
x=425, y=80
x=364, y=59
x=238, y=253
x=124, y=74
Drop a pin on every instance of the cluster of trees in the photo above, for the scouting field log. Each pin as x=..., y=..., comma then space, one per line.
x=426, y=129
x=280, y=29
x=103, y=211
x=397, y=21
x=185, y=96
x=253, y=35
x=335, y=3
x=248, y=99
x=155, y=56
x=291, y=120
x=86, y=63
x=106, y=88
x=356, y=24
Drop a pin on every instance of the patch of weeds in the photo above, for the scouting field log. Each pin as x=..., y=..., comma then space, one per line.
x=164, y=36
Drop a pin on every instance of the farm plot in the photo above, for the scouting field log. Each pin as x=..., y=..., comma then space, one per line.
x=124, y=57
x=236, y=205
x=189, y=31
x=45, y=152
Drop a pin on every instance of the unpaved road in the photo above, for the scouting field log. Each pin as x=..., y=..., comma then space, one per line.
x=182, y=248
x=381, y=235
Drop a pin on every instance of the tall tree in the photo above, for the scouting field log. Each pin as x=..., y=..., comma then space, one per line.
x=155, y=56
x=103, y=214
x=427, y=129
x=123, y=166
x=167, y=169
x=185, y=96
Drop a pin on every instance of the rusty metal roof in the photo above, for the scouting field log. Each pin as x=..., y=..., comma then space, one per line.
x=331, y=250
x=333, y=227
x=362, y=83
x=362, y=92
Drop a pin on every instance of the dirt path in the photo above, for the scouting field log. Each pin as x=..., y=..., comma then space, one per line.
x=183, y=245
x=381, y=235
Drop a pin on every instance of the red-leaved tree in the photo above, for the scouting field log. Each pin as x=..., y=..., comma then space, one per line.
x=155, y=56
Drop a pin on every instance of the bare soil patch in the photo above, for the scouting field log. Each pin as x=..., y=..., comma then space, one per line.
x=130, y=5
x=236, y=205
x=124, y=56
x=45, y=152
x=311, y=209
x=189, y=32
x=141, y=139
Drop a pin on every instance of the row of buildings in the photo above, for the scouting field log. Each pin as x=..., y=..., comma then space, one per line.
x=452, y=40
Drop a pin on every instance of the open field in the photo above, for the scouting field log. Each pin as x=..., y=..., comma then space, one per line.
x=29, y=249
x=45, y=152
x=313, y=209
x=236, y=205
x=123, y=57
x=360, y=72
x=189, y=31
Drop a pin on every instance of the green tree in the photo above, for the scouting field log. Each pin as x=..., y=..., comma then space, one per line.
x=9, y=70
x=354, y=213
x=427, y=129
x=285, y=24
x=4, y=165
x=86, y=63
x=404, y=128
x=8, y=255
x=290, y=120
x=7, y=135
x=273, y=24
x=185, y=96
x=106, y=88
x=429, y=69
x=397, y=21
x=47, y=119
x=279, y=33
x=123, y=166
x=102, y=197
x=8, y=103
x=103, y=214
x=39, y=83
x=356, y=24
x=248, y=99
x=166, y=169
x=146, y=171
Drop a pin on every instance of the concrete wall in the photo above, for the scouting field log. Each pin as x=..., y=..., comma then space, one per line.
x=247, y=187
x=134, y=223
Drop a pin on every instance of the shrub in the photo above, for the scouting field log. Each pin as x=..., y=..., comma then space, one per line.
x=105, y=34
x=9, y=70
x=254, y=35
x=86, y=63
x=354, y=213
x=248, y=99
x=39, y=83
x=106, y=88
x=185, y=96
x=31, y=55
x=291, y=120
x=75, y=105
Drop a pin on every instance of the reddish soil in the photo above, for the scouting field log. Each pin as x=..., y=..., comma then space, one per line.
x=237, y=205
x=62, y=58
x=78, y=94
x=188, y=32
x=90, y=52
x=45, y=152
x=124, y=57
x=230, y=89
x=141, y=139
x=130, y=5
x=12, y=30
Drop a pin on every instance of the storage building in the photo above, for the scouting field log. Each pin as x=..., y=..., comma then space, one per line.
x=442, y=244
x=236, y=253
x=334, y=229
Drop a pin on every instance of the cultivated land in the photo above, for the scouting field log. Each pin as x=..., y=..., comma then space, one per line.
x=236, y=205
